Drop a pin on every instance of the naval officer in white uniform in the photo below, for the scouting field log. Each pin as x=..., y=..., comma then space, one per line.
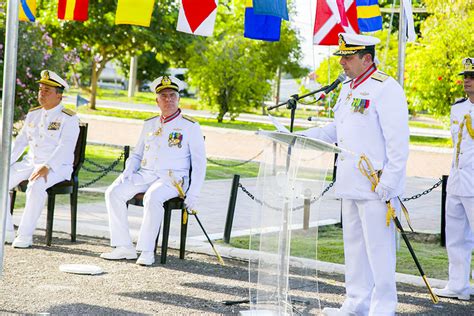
x=169, y=146
x=460, y=199
x=51, y=132
x=371, y=118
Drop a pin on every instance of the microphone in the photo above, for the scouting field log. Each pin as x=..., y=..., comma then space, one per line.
x=336, y=82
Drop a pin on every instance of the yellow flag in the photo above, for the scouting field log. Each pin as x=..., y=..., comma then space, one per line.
x=136, y=12
x=27, y=10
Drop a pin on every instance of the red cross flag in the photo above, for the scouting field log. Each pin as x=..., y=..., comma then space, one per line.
x=328, y=21
x=197, y=17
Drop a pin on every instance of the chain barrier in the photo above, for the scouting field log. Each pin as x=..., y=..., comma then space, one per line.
x=237, y=164
x=416, y=196
x=258, y=201
x=100, y=168
x=105, y=171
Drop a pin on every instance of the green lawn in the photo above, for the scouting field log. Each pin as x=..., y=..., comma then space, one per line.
x=432, y=256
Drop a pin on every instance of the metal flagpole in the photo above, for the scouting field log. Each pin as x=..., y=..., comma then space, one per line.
x=9, y=79
x=402, y=39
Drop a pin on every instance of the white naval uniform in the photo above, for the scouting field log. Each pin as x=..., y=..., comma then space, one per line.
x=179, y=148
x=51, y=136
x=381, y=133
x=460, y=201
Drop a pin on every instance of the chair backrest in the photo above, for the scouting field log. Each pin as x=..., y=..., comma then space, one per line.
x=80, y=150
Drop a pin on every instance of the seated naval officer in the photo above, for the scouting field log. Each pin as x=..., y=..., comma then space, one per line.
x=51, y=132
x=371, y=118
x=169, y=146
x=460, y=199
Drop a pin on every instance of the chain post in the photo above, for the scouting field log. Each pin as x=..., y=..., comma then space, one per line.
x=231, y=209
x=126, y=154
x=443, y=210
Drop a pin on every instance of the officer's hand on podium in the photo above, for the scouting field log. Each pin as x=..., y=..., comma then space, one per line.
x=384, y=192
x=41, y=172
x=190, y=202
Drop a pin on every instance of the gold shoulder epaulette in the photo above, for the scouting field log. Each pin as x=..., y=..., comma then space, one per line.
x=379, y=76
x=68, y=112
x=460, y=100
x=35, y=108
x=189, y=118
x=152, y=117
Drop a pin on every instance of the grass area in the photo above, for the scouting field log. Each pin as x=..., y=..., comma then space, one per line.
x=431, y=141
x=425, y=125
x=216, y=171
x=433, y=258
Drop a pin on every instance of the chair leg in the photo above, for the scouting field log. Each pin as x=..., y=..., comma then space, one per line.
x=73, y=200
x=12, y=201
x=49, y=218
x=184, y=231
x=166, y=233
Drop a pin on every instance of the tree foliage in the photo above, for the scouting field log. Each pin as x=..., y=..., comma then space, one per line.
x=233, y=73
x=432, y=66
x=98, y=40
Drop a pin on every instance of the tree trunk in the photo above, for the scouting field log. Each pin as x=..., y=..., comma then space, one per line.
x=96, y=71
x=277, y=98
x=94, y=79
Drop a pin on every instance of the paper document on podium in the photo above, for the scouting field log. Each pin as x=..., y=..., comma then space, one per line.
x=280, y=127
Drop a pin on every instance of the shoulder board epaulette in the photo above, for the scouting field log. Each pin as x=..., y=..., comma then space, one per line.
x=68, y=112
x=379, y=76
x=189, y=118
x=35, y=108
x=151, y=118
x=460, y=100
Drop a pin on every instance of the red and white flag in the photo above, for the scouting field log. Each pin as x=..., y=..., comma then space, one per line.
x=197, y=17
x=328, y=21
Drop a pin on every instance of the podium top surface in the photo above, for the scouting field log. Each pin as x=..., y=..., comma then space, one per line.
x=290, y=139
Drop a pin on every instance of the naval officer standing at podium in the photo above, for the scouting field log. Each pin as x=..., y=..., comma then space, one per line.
x=371, y=118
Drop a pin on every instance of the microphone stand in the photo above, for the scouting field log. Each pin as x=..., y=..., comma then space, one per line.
x=292, y=102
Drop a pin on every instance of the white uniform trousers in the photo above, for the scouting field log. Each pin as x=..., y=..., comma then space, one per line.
x=370, y=258
x=459, y=234
x=116, y=198
x=35, y=197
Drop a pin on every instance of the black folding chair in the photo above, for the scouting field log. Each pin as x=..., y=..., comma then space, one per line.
x=176, y=203
x=70, y=187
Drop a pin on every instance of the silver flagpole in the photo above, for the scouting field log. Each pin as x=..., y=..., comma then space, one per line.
x=402, y=39
x=9, y=79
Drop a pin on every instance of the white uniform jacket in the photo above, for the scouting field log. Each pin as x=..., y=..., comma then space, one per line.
x=371, y=119
x=461, y=177
x=51, y=136
x=177, y=145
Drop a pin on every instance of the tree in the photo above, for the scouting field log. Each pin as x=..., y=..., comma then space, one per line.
x=99, y=40
x=233, y=73
x=432, y=80
x=35, y=53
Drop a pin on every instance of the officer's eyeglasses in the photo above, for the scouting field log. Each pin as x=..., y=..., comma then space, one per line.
x=47, y=90
x=171, y=96
x=469, y=76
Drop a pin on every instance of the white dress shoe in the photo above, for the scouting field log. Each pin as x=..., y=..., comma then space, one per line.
x=330, y=311
x=120, y=253
x=147, y=258
x=9, y=236
x=22, y=242
x=445, y=292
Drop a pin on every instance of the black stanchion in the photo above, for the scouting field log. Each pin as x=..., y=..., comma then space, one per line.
x=443, y=210
x=231, y=209
x=126, y=154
